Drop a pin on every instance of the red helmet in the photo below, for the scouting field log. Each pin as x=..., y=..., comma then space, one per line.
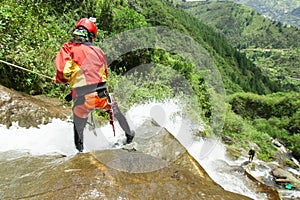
x=88, y=24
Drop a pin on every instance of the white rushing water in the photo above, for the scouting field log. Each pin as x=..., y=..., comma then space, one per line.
x=57, y=138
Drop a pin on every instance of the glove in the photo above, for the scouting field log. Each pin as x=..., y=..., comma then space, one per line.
x=68, y=98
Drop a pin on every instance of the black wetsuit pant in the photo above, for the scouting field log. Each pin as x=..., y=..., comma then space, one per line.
x=80, y=123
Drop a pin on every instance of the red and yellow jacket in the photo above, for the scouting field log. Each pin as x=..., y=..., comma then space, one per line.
x=80, y=65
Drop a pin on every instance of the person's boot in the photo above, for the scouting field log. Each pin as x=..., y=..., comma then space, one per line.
x=79, y=124
x=79, y=146
x=123, y=123
x=129, y=137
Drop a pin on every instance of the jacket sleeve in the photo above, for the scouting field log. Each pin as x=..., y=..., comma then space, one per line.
x=61, y=59
x=104, y=68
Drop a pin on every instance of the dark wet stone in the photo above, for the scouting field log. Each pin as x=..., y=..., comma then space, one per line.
x=29, y=111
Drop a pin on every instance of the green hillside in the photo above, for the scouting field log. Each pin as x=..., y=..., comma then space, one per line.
x=272, y=46
x=277, y=115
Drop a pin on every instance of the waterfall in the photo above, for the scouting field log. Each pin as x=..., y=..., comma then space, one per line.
x=57, y=138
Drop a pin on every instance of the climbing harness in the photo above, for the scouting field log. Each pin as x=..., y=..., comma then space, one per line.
x=111, y=113
x=91, y=122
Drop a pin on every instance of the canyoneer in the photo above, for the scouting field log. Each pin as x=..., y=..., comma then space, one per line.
x=83, y=66
x=251, y=154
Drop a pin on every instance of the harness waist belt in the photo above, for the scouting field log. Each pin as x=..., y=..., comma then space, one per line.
x=100, y=87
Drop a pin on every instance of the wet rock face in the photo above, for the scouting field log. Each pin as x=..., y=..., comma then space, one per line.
x=84, y=177
x=157, y=168
x=283, y=177
x=27, y=110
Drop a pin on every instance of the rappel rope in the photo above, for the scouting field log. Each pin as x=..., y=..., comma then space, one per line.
x=22, y=68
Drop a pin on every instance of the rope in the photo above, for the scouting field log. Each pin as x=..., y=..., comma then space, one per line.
x=22, y=68
x=93, y=124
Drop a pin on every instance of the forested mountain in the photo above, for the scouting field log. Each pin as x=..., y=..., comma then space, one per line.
x=273, y=46
x=33, y=31
x=284, y=11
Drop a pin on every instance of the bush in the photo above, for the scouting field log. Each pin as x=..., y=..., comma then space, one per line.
x=276, y=114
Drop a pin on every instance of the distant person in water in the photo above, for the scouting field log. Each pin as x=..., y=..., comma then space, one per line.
x=83, y=65
x=251, y=154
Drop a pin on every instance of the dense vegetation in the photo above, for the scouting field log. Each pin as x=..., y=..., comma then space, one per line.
x=272, y=46
x=275, y=114
x=32, y=31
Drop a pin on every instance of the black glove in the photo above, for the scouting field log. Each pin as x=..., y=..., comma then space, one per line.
x=68, y=98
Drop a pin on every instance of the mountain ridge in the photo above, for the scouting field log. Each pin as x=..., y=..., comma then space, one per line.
x=270, y=45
